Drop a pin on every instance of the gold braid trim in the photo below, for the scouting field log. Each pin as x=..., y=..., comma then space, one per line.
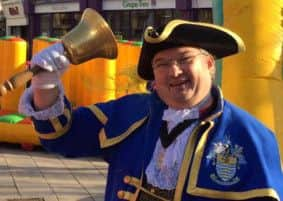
x=59, y=129
x=98, y=113
x=171, y=26
x=105, y=142
x=188, y=155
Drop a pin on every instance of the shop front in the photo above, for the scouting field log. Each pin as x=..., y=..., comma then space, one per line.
x=2, y=22
x=201, y=10
x=129, y=18
x=16, y=18
x=54, y=18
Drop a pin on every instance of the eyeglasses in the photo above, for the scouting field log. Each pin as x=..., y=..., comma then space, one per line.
x=181, y=62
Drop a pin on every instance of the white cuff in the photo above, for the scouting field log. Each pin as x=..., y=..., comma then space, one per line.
x=26, y=108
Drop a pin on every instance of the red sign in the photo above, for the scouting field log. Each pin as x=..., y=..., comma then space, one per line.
x=14, y=11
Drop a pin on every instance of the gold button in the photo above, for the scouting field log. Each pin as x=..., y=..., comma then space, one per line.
x=127, y=179
x=120, y=194
x=152, y=190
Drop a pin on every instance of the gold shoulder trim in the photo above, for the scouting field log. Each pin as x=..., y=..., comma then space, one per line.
x=104, y=142
x=193, y=189
x=98, y=113
x=174, y=23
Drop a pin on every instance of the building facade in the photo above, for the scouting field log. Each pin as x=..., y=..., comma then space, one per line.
x=127, y=18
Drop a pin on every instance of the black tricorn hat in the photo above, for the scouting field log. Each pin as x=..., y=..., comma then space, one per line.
x=218, y=41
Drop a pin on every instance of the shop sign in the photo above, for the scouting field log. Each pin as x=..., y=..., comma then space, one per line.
x=134, y=4
x=201, y=4
x=57, y=7
x=13, y=9
x=137, y=4
x=14, y=12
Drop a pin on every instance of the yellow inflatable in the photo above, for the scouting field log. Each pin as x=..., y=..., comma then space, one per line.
x=127, y=80
x=253, y=80
x=12, y=59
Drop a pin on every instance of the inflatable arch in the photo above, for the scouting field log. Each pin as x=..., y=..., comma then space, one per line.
x=253, y=80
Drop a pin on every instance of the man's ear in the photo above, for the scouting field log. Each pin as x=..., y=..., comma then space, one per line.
x=211, y=66
x=210, y=61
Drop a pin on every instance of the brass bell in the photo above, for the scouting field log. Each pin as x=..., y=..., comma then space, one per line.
x=91, y=38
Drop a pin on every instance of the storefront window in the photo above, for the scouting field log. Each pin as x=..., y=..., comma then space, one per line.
x=139, y=21
x=58, y=24
x=119, y=23
x=45, y=25
x=63, y=23
x=2, y=26
x=129, y=25
x=16, y=31
x=202, y=14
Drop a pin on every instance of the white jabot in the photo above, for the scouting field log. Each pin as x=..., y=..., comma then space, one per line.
x=173, y=117
x=165, y=164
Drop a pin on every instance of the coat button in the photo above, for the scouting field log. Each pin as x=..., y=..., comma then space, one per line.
x=127, y=179
x=120, y=194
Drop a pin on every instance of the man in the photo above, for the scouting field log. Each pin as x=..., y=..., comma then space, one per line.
x=183, y=141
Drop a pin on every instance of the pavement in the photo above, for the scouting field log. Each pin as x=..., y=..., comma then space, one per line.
x=40, y=176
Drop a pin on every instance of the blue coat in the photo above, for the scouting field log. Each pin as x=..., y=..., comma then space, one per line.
x=229, y=156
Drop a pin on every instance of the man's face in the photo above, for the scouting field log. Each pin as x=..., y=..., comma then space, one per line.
x=182, y=76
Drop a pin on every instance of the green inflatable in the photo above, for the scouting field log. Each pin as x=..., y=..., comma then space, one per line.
x=11, y=118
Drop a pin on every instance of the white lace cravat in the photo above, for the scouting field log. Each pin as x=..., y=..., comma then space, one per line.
x=163, y=169
x=173, y=117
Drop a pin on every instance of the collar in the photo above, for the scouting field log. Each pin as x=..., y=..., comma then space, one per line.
x=174, y=117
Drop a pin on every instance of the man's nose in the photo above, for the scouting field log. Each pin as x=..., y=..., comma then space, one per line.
x=175, y=69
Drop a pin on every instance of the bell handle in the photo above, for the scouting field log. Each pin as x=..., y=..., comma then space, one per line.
x=19, y=79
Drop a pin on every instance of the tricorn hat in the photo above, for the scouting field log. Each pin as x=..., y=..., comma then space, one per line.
x=218, y=41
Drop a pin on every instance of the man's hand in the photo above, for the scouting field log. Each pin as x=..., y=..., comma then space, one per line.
x=53, y=60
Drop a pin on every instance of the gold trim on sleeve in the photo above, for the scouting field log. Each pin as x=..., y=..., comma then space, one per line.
x=57, y=126
x=52, y=136
x=98, y=113
x=105, y=142
x=56, y=122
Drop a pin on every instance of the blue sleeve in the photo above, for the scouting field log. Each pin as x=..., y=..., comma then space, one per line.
x=92, y=130
x=74, y=133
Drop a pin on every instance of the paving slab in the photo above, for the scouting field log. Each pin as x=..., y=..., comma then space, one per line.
x=40, y=176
